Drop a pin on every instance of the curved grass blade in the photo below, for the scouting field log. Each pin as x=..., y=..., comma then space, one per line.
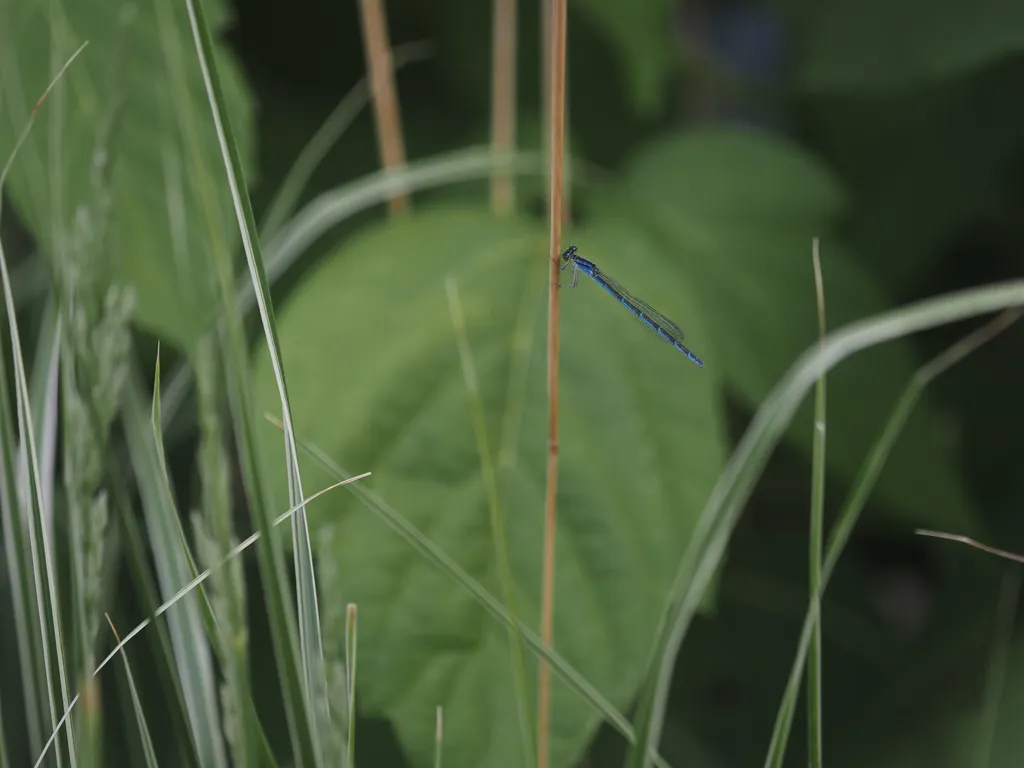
x=720, y=515
x=306, y=697
x=49, y=627
x=185, y=590
x=140, y=716
x=851, y=510
x=817, y=527
x=341, y=117
x=515, y=639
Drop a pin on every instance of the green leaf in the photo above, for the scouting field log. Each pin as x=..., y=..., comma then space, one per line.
x=738, y=210
x=163, y=211
x=641, y=32
x=368, y=342
x=880, y=44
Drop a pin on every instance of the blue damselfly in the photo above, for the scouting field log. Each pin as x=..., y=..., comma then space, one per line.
x=651, y=318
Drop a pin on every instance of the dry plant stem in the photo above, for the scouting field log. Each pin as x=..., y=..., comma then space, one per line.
x=556, y=111
x=503, y=100
x=382, y=87
x=971, y=543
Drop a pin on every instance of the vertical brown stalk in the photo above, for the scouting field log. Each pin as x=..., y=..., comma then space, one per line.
x=382, y=87
x=503, y=100
x=556, y=112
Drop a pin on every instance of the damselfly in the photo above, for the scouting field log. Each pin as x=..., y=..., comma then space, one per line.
x=645, y=313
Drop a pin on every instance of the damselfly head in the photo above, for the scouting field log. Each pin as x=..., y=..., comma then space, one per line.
x=568, y=253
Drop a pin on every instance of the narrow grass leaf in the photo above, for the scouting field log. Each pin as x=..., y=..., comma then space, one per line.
x=38, y=526
x=40, y=547
x=438, y=737
x=817, y=527
x=306, y=702
x=140, y=716
x=174, y=566
x=487, y=469
x=43, y=394
x=14, y=522
x=351, y=639
x=181, y=593
x=1009, y=598
x=722, y=511
x=851, y=510
x=4, y=759
x=316, y=149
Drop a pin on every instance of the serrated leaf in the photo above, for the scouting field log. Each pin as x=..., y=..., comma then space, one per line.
x=124, y=74
x=879, y=44
x=369, y=345
x=738, y=211
x=641, y=33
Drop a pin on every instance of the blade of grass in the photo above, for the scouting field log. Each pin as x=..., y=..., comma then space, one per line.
x=14, y=521
x=193, y=664
x=817, y=527
x=140, y=716
x=257, y=748
x=4, y=759
x=508, y=587
x=351, y=638
x=851, y=510
x=556, y=46
x=437, y=557
x=183, y=592
x=43, y=394
x=707, y=546
x=49, y=629
x=438, y=737
x=306, y=697
x=1009, y=597
x=319, y=145
x=43, y=566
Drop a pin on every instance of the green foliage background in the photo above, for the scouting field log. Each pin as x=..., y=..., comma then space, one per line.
x=711, y=143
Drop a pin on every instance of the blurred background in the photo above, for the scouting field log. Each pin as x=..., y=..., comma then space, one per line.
x=709, y=142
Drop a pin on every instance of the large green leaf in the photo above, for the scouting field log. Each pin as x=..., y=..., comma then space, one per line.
x=738, y=210
x=168, y=189
x=376, y=382
x=882, y=44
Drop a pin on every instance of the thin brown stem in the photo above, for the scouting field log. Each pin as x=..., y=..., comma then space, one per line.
x=556, y=112
x=971, y=543
x=385, y=100
x=503, y=101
